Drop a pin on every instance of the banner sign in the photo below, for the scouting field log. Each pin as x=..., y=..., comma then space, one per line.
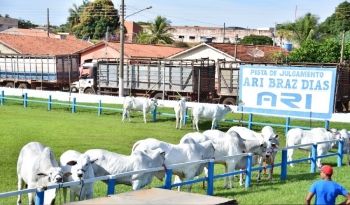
x=305, y=92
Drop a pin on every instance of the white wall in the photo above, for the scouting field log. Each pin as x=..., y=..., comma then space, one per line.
x=203, y=52
x=65, y=96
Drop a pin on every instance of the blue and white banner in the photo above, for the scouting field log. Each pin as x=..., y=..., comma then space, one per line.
x=305, y=92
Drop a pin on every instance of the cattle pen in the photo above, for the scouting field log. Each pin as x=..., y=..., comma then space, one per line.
x=79, y=108
x=111, y=179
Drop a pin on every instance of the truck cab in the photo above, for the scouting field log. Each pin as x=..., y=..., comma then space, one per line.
x=87, y=78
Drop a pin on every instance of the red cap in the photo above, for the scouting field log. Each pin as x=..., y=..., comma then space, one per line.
x=328, y=170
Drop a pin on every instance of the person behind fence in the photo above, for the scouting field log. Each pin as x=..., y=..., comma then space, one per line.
x=326, y=190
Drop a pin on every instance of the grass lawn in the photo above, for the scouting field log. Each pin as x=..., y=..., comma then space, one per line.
x=62, y=130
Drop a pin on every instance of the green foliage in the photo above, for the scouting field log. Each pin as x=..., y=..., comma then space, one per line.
x=158, y=33
x=338, y=21
x=256, y=40
x=94, y=19
x=304, y=28
x=26, y=24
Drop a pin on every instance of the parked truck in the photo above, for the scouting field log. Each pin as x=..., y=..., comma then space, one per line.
x=168, y=79
x=38, y=72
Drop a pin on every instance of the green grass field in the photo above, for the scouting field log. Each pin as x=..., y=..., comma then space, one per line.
x=62, y=130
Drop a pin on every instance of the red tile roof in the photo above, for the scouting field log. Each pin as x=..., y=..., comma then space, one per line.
x=42, y=45
x=34, y=32
x=262, y=53
x=133, y=50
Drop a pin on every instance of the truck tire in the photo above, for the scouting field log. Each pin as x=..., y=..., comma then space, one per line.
x=229, y=101
x=23, y=85
x=74, y=89
x=89, y=91
x=158, y=96
x=10, y=85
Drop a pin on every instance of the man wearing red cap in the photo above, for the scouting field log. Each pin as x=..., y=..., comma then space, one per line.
x=326, y=190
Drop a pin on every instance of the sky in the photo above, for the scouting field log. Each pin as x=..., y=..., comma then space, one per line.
x=212, y=13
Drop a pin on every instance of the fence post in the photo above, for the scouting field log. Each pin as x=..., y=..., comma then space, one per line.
x=210, y=179
x=25, y=100
x=287, y=125
x=111, y=186
x=284, y=165
x=99, y=110
x=250, y=121
x=2, y=97
x=248, y=177
x=185, y=116
x=168, y=176
x=313, y=158
x=74, y=104
x=326, y=124
x=154, y=114
x=340, y=152
x=49, y=103
x=39, y=197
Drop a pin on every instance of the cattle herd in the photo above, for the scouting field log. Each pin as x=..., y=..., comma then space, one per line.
x=37, y=166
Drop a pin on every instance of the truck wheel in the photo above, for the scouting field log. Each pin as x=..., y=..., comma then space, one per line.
x=74, y=89
x=89, y=91
x=229, y=101
x=10, y=85
x=23, y=86
x=158, y=96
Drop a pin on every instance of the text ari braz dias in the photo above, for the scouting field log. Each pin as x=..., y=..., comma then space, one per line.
x=285, y=79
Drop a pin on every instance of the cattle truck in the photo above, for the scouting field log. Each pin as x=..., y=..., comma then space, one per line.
x=228, y=81
x=38, y=72
x=162, y=79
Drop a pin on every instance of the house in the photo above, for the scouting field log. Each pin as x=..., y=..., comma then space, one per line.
x=6, y=23
x=132, y=29
x=230, y=52
x=33, y=45
x=37, y=32
x=111, y=50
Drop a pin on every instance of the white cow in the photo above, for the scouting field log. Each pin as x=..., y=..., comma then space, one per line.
x=345, y=136
x=141, y=104
x=297, y=136
x=37, y=167
x=209, y=111
x=180, y=112
x=180, y=153
x=266, y=136
x=110, y=163
x=80, y=166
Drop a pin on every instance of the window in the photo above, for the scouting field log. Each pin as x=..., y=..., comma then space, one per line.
x=181, y=37
x=192, y=37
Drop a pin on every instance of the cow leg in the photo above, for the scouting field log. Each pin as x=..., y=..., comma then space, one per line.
x=124, y=114
x=19, y=186
x=177, y=121
x=181, y=120
x=230, y=168
x=290, y=156
x=271, y=170
x=241, y=179
x=144, y=116
x=31, y=196
x=213, y=123
x=177, y=180
x=196, y=123
x=65, y=194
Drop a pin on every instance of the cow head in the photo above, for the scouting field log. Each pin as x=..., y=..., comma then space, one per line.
x=81, y=166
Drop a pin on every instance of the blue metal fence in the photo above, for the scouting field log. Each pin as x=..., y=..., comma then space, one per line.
x=111, y=179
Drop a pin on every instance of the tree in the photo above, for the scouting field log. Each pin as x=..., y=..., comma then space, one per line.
x=26, y=24
x=256, y=40
x=304, y=28
x=95, y=18
x=339, y=21
x=158, y=33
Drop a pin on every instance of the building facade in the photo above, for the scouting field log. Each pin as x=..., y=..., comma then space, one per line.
x=6, y=23
x=197, y=34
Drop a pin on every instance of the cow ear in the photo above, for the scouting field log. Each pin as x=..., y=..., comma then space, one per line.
x=93, y=161
x=225, y=106
x=72, y=163
x=276, y=136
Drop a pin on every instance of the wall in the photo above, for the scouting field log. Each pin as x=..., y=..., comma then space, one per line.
x=6, y=50
x=6, y=23
x=99, y=52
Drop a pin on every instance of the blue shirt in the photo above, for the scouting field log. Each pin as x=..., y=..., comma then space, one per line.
x=327, y=191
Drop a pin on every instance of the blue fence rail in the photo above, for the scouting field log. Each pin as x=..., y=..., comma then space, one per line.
x=111, y=179
x=74, y=106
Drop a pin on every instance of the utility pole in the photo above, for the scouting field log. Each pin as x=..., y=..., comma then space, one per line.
x=121, y=59
x=223, y=39
x=48, y=22
x=342, y=47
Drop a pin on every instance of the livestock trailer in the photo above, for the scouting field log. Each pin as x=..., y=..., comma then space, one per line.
x=168, y=79
x=46, y=72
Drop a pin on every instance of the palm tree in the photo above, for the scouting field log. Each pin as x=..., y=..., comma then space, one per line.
x=158, y=32
x=74, y=14
x=302, y=29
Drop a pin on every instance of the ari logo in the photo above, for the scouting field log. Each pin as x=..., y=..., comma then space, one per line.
x=292, y=100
